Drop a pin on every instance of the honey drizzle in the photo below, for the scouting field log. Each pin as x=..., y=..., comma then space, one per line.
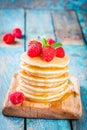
x=58, y=103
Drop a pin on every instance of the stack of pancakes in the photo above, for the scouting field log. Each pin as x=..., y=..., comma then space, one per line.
x=42, y=81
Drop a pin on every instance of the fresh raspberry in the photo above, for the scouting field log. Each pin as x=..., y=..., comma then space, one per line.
x=17, y=33
x=60, y=52
x=35, y=42
x=8, y=38
x=16, y=97
x=34, y=50
x=48, y=53
x=51, y=41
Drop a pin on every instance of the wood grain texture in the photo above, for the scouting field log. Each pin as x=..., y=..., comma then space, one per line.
x=78, y=61
x=70, y=108
x=9, y=62
x=81, y=124
x=82, y=16
x=66, y=27
x=44, y=124
x=78, y=67
x=45, y=4
x=38, y=23
x=10, y=19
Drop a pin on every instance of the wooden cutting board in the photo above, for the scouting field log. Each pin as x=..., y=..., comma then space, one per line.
x=69, y=108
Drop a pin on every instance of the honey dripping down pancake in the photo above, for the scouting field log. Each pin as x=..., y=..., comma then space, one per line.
x=43, y=81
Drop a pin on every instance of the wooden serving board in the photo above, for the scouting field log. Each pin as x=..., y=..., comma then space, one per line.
x=69, y=108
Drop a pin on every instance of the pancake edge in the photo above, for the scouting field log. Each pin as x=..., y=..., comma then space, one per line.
x=71, y=108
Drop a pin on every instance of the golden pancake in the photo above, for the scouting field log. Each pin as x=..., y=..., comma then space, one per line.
x=44, y=72
x=39, y=62
x=30, y=77
x=42, y=81
x=39, y=84
x=43, y=89
x=45, y=97
x=43, y=94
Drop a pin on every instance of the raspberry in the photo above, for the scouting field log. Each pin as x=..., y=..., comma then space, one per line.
x=17, y=33
x=51, y=41
x=35, y=42
x=16, y=97
x=34, y=50
x=8, y=38
x=60, y=52
x=48, y=53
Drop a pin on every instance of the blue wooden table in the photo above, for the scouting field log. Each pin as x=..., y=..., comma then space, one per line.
x=71, y=29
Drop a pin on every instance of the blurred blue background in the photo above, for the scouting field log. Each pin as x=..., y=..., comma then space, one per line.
x=45, y=4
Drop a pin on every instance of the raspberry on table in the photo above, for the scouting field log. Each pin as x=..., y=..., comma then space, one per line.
x=34, y=50
x=17, y=33
x=8, y=38
x=16, y=97
x=60, y=52
x=48, y=53
x=51, y=41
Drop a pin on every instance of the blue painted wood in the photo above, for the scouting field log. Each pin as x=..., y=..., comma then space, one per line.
x=78, y=55
x=82, y=16
x=43, y=124
x=10, y=19
x=45, y=4
x=78, y=68
x=9, y=62
x=38, y=23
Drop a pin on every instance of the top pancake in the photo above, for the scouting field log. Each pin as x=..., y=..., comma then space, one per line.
x=39, y=62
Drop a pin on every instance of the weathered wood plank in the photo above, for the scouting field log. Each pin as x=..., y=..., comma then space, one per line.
x=78, y=56
x=38, y=23
x=66, y=27
x=9, y=62
x=78, y=67
x=45, y=4
x=81, y=124
x=82, y=16
x=10, y=19
x=41, y=124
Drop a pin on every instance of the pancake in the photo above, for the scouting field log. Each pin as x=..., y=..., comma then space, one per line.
x=30, y=77
x=43, y=89
x=45, y=97
x=39, y=84
x=42, y=81
x=44, y=72
x=43, y=94
x=39, y=62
